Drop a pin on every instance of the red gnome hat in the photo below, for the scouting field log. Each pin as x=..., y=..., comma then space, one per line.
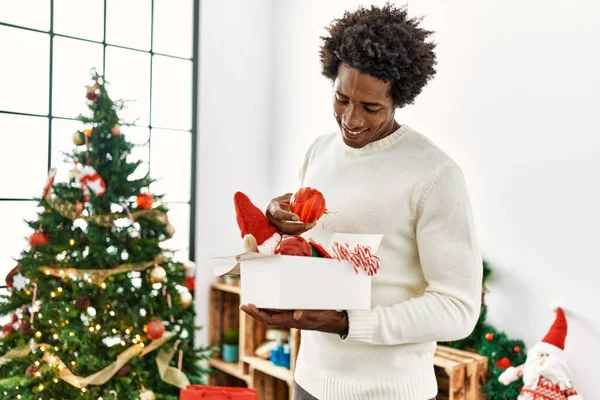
x=558, y=332
x=251, y=219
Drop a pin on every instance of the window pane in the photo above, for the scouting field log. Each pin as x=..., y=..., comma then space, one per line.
x=171, y=93
x=173, y=27
x=83, y=19
x=73, y=62
x=24, y=70
x=179, y=217
x=15, y=232
x=171, y=163
x=62, y=132
x=19, y=13
x=128, y=73
x=139, y=137
x=25, y=144
x=128, y=23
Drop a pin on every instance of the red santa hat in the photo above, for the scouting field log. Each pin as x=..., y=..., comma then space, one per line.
x=558, y=331
x=251, y=219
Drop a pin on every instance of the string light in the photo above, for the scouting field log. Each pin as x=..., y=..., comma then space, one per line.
x=40, y=315
x=55, y=336
x=122, y=343
x=37, y=363
x=38, y=334
x=108, y=306
x=73, y=364
x=72, y=242
x=38, y=374
x=60, y=290
x=83, y=390
x=40, y=387
x=50, y=321
x=103, y=285
x=98, y=327
x=67, y=309
x=127, y=331
x=71, y=334
x=141, y=344
x=42, y=349
x=52, y=294
x=91, y=329
x=114, y=331
x=56, y=380
x=47, y=272
x=112, y=313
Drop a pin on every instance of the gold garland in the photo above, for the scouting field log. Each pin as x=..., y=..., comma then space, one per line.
x=67, y=210
x=98, y=276
x=168, y=374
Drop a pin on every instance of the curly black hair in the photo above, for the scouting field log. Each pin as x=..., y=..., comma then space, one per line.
x=384, y=43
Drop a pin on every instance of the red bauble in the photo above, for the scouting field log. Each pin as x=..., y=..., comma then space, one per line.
x=7, y=329
x=517, y=349
x=155, y=329
x=308, y=203
x=9, y=276
x=191, y=283
x=145, y=201
x=38, y=238
x=503, y=363
x=115, y=130
x=489, y=336
x=293, y=246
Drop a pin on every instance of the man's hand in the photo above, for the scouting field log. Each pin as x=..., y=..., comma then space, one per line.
x=313, y=320
x=279, y=214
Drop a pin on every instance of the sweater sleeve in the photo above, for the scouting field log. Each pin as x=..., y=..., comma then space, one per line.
x=452, y=266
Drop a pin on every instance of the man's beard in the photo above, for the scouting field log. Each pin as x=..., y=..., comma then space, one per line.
x=551, y=368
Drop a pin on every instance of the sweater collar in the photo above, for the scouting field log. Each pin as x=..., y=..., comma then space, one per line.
x=380, y=144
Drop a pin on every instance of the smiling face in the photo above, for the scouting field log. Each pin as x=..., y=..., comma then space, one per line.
x=363, y=107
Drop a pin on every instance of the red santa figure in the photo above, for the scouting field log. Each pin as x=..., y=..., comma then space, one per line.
x=545, y=372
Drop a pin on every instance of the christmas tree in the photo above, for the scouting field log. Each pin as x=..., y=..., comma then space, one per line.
x=501, y=351
x=99, y=308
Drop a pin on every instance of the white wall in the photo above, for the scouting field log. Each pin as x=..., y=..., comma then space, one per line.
x=513, y=103
x=234, y=112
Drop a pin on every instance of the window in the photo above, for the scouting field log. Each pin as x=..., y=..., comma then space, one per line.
x=147, y=50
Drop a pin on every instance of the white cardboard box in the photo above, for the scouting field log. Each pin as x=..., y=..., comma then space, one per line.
x=303, y=283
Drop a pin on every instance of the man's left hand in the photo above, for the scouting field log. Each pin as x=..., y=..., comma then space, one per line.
x=314, y=320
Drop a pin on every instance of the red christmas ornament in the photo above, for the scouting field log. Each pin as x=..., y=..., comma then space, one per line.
x=293, y=246
x=155, y=329
x=9, y=276
x=7, y=329
x=145, y=201
x=191, y=283
x=38, y=238
x=503, y=363
x=517, y=349
x=308, y=203
x=115, y=130
x=489, y=336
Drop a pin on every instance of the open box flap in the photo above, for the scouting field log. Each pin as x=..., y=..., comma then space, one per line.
x=235, y=269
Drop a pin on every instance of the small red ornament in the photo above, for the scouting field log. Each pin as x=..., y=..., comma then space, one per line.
x=517, y=349
x=9, y=276
x=503, y=363
x=155, y=329
x=308, y=203
x=293, y=246
x=145, y=201
x=38, y=238
x=489, y=336
x=115, y=130
x=191, y=283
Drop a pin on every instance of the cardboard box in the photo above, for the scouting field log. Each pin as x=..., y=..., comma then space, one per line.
x=304, y=283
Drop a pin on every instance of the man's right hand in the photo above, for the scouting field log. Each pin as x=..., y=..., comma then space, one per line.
x=279, y=214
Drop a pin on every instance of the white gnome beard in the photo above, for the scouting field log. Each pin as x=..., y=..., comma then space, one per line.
x=268, y=246
x=549, y=367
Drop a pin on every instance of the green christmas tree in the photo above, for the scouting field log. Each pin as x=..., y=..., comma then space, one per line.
x=98, y=307
x=500, y=350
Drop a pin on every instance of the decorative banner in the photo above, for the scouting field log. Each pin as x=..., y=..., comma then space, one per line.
x=98, y=276
x=18, y=352
x=168, y=374
x=68, y=210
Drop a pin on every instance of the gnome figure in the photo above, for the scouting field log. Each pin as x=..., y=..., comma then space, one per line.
x=544, y=372
x=258, y=233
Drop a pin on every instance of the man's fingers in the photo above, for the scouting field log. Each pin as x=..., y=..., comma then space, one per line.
x=277, y=212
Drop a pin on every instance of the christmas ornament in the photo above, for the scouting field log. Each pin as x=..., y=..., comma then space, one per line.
x=503, y=363
x=82, y=302
x=517, y=349
x=38, y=238
x=186, y=298
x=155, y=329
x=19, y=281
x=190, y=283
x=78, y=139
x=92, y=92
x=115, y=130
x=144, y=201
x=293, y=246
x=89, y=180
x=190, y=273
x=32, y=370
x=87, y=132
x=10, y=276
x=489, y=336
x=124, y=370
x=158, y=274
x=544, y=374
x=49, y=181
x=258, y=234
x=12, y=326
x=147, y=395
x=308, y=204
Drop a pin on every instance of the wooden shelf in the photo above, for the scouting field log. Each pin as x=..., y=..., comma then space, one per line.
x=224, y=287
x=269, y=368
x=229, y=368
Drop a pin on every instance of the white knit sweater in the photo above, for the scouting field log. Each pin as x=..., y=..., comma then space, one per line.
x=429, y=286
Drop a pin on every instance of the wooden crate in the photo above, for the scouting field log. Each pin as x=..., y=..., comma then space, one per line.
x=460, y=374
